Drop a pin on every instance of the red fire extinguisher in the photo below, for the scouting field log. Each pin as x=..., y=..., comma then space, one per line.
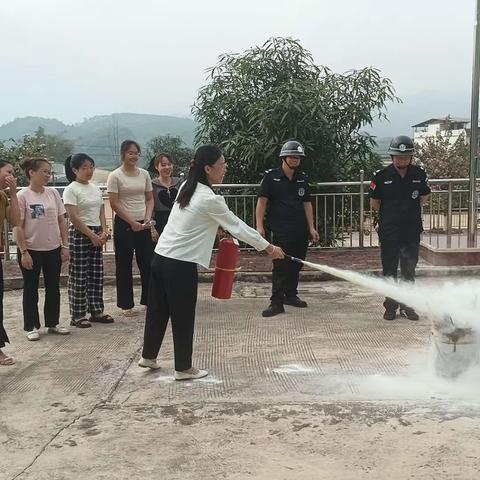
x=225, y=268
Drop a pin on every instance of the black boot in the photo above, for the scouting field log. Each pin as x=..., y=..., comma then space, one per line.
x=390, y=314
x=409, y=313
x=273, y=309
x=295, y=302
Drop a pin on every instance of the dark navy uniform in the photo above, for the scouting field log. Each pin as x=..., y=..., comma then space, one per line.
x=400, y=222
x=286, y=219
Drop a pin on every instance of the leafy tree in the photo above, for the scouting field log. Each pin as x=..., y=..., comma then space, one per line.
x=257, y=100
x=444, y=158
x=57, y=147
x=15, y=150
x=54, y=147
x=174, y=146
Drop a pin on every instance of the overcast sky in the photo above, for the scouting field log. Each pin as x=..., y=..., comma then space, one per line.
x=71, y=59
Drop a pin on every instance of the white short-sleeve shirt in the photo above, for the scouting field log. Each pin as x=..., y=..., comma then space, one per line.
x=87, y=197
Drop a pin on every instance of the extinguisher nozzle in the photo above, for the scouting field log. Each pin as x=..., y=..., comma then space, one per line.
x=293, y=259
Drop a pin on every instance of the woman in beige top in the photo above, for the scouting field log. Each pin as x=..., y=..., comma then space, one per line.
x=130, y=192
x=8, y=210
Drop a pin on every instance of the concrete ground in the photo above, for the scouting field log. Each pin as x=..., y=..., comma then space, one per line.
x=332, y=391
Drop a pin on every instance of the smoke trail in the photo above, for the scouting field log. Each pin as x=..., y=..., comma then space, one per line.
x=446, y=305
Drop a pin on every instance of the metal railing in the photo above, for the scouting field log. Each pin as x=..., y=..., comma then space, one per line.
x=342, y=213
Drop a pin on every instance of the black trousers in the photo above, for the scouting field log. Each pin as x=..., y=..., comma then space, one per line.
x=126, y=242
x=393, y=253
x=3, y=333
x=161, y=218
x=172, y=295
x=285, y=273
x=50, y=264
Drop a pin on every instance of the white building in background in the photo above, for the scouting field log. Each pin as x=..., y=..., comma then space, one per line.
x=431, y=128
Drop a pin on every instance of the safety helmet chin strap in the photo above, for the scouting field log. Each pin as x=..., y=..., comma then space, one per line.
x=409, y=163
x=288, y=165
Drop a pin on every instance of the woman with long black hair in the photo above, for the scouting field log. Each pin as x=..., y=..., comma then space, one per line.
x=165, y=189
x=186, y=241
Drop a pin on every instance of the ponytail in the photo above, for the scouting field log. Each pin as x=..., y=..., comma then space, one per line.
x=204, y=155
x=75, y=162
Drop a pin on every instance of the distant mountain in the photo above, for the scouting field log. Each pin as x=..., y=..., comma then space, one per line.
x=27, y=125
x=101, y=136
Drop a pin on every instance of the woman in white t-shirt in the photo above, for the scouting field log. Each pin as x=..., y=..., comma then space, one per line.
x=130, y=192
x=42, y=240
x=186, y=241
x=88, y=234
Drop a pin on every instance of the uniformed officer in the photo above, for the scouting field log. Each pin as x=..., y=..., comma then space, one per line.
x=398, y=192
x=284, y=208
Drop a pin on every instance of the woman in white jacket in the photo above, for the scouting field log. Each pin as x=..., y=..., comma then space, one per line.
x=186, y=241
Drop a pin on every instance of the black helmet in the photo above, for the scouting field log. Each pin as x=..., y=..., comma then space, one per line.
x=402, y=146
x=292, y=148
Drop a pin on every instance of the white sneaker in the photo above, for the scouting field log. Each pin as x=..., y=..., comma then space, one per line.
x=33, y=335
x=59, y=330
x=196, y=373
x=148, y=363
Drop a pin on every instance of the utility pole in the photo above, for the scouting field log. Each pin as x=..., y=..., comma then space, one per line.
x=472, y=198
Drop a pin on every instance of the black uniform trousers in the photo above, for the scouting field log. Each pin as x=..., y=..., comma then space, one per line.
x=172, y=295
x=395, y=251
x=3, y=333
x=285, y=273
x=126, y=241
x=50, y=263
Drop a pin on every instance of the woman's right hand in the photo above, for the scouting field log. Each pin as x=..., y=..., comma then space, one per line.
x=27, y=262
x=275, y=252
x=137, y=226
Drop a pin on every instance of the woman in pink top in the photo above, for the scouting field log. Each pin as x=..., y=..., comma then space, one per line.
x=42, y=240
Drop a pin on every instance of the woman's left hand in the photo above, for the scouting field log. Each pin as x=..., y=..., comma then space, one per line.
x=221, y=233
x=65, y=255
x=103, y=237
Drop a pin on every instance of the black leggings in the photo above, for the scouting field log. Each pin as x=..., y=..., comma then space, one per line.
x=172, y=295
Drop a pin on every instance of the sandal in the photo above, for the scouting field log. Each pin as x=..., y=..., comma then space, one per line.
x=6, y=361
x=80, y=323
x=101, y=318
